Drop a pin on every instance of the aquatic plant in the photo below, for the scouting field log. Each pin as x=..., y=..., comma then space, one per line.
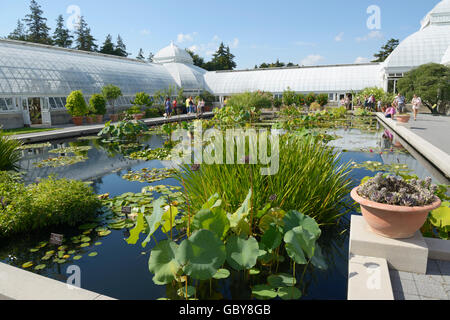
x=149, y=175
x=10, y=153
x=123, y=130
x=311, y=179
x=396, y=191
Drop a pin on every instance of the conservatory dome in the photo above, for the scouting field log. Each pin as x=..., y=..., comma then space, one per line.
x=172, y=53
x=446, y=58
x=427, y=45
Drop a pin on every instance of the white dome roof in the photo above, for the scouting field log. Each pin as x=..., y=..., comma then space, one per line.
x=189, y=77
x=446, y=57
x=439, y=14
x=173, y=54
x=427, y=45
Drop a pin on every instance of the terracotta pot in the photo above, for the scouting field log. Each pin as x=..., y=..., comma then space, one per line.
x=395, y=222
x=403, y=118
x=114, y=117
x=78, y=121
x=138, y=116
x=90, y=119
x=99, y=118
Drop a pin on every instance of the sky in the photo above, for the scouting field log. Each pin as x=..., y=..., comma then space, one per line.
x=303, y=32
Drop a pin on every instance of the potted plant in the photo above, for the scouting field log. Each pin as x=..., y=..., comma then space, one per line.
x=140, y=100
x=112, y=93
x=136, y=112
x=76, y=106
x=395, y=208
x=98, y=105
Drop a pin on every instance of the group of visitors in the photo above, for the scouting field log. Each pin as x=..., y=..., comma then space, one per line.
x=188, y=108
x=399, y=106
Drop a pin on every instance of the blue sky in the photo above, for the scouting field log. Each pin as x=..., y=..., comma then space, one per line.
x=304, y=32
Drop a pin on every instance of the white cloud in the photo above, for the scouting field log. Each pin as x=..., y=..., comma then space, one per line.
x=312, y=59
x=371, y=35
x=145, y=32
x=303, y=43
x=235, y=43
x=362, y=60
x=188, y=37
x=339, y=37
x=216, y=38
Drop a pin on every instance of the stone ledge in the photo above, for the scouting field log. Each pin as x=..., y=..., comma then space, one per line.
x=18, y=284
x=409, y=255
x=368, y=279
x=438, y=249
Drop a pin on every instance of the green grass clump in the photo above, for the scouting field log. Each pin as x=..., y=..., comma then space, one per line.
x=9, y=154
x=51, y=202
x=311, y=179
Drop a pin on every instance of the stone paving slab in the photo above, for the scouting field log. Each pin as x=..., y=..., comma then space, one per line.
x=434, y=285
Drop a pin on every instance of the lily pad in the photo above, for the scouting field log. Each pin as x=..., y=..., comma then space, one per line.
x=222, y=274
x=281, y=280
x=289, y=293
x=104, y=233
x=27, y=265
x=254, y=272
x=264, y=292
x=40, y=267
x=162, y=262
x=77, y=258
x=190, y=292
x=84, y=245
x=241, y=253
x=93, y=254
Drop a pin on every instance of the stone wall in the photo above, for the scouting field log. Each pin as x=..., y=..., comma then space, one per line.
x=11, y=120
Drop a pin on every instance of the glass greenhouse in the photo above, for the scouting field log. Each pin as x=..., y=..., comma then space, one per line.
x=36, y=79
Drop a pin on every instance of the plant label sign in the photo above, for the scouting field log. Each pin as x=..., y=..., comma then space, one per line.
x=56, y=239
x=126, y=210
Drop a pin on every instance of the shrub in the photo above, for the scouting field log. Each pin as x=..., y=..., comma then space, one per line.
x=314, y=106
x=247, y=100
x=76, y=105
x=311, y=178
x=134, y=110
x=111, y=93
x=396, y=191
x=322, y=99
x=310, y=98
x=9, y=154
x=152, y=113
x=378, y=93
x=300, y=100
x=277, y=102
x=52, y=202
x=289, y=97
x=98, y=104
x=142, y=99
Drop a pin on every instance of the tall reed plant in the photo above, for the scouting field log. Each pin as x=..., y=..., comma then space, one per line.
x=9, y=153
x=311, y=179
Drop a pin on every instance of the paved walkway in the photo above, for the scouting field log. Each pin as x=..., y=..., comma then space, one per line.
x=435, y=285
x=70, y=131
x=429, y=135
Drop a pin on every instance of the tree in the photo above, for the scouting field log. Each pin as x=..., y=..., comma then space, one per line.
x=38, y=31
x=61, y=36
x=98, y=104
x=431, y=82
x=142, y=99
x=111, y=93
x=76, y=105
x=310, y=98
x=198, y=61
x=121, y=48
x=140, y=55
x=386, y=50
x=19, y=33
x=322, y=99
x=108, y=46
x=84, y=40
x=150, y=57
x=223, y=59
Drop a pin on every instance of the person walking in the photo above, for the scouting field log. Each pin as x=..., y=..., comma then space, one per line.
x=401, y=103
x=191, y=105
x=187, y=105
x=174, y=105
x=416, y=104
x=200, y=107
x=168, y=108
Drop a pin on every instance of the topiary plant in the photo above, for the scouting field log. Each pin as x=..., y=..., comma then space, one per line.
x=98, y=104
x=396, y=191
x=76, y=105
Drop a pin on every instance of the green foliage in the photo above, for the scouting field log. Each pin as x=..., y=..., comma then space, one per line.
x=111, y=93
x=277, y=102
x=289, y=97
x=10, y=153
x=314, y=106
x=310, y=179
x=322, y=99
x=123, y=130
x=98, y=104
x=300, y=100
x=431, y=82
x=242, y=253
x=378, y=93
x=50, y=202
x=76, y=105
x=310, y=98
x=134, y=110
x=386, y=50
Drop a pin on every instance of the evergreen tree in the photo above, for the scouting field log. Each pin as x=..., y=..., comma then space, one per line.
x=198, y=61
x=150, y=57
x=386, y=50
x=38, y=31
x=121, y=48
x=61, y=36
x=84, y=40
x=19, y=33
x=223, y=59
x=140, y=55
x=108, y=46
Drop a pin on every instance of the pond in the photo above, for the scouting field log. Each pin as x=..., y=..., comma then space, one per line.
x=114, y=268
